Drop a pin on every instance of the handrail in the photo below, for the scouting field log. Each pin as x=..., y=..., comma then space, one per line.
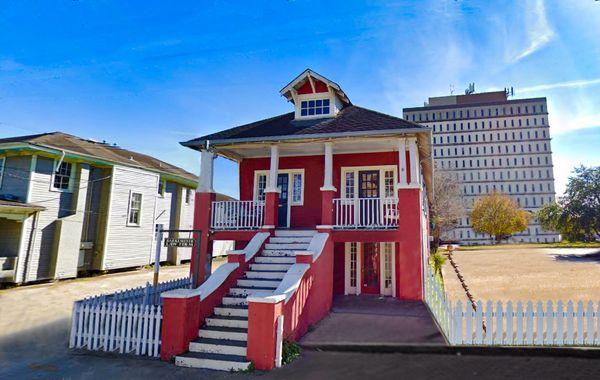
x=237, y=215
x=208, y=287
x=252, y=247
x=357, y=213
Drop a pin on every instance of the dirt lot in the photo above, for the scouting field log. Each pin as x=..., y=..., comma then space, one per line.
x=523, y=273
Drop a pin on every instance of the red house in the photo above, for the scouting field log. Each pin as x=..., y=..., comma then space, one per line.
x=333, y=201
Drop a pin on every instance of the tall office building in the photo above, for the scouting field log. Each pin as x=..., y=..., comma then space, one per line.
x=488, y=143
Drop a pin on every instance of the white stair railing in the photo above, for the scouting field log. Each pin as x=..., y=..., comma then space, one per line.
x=365, y=213
x=237, y=215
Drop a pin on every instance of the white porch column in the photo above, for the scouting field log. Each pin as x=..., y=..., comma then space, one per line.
x=415, y=173
x=402, y=177
x=272, y=188
x=205, y=181
x=328, y=175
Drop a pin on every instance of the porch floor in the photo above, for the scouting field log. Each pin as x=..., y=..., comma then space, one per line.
x=371, y=320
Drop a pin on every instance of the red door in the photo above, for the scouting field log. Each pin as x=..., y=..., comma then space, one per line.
x=370, y=268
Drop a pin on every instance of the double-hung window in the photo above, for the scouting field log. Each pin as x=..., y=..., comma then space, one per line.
x=314, y=107
x=162, y=184
x=188, y=195
x=135, y=209
x=295, y=185
x=261, y=184
x=297, y=188
x=63, y=177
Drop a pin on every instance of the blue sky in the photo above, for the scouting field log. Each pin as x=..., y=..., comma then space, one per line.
x=149, y=74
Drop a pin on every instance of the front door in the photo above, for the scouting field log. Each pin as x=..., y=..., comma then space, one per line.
x=368, y=192
x=370, y=272
x=282, y=210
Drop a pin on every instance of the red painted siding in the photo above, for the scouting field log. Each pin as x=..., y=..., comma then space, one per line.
x=306, y=88
x=338, y=268
x=309, y=215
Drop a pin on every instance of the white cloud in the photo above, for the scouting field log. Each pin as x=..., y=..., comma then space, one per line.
x=539, y=30
x=567, y=84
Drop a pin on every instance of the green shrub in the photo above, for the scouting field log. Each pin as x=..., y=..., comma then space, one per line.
x=290, y=351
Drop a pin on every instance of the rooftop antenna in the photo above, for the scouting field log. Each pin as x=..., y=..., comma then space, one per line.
x=451, y=89
x=471, y=89
x=510, y=92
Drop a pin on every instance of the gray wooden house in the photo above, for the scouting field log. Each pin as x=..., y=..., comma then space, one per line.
x=69, y=204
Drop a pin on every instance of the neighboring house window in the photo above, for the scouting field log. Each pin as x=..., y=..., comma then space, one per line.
x=135, y=209
x=261, y=185
x=188, y=195
x=62, y=176
x=297, y=188
x=314, y=107
x=2, y=162
x=161, y=187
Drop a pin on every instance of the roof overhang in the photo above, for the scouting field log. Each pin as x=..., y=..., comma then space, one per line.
x=310, y=145
x=289, y=91
x=51, y=151
x=18, y=211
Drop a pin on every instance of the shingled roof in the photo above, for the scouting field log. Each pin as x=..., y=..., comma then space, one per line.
x=350, y=120
x=101, y=151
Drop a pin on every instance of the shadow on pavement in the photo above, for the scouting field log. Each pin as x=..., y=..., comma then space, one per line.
x=593, y=257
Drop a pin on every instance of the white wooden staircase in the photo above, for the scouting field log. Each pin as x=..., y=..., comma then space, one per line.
x=222, y=341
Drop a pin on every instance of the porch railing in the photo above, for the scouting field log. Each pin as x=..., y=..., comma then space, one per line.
x=365, y=213
x=237, y=215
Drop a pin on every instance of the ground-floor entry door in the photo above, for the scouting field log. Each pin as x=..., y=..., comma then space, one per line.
x=283, y=209
x=370, y=268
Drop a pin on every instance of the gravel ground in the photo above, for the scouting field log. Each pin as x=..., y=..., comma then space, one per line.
x=527, y=274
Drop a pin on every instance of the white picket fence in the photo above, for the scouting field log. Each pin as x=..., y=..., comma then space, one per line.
x=126, y=322
x=143, y=295
x=514, y=324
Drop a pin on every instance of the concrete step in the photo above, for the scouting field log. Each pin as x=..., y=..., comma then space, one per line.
x=296, y=246
x=231, y=300
x=218, y=346
x=287, y=233
x=270, y=267
x=265, y=275
x=258, y=283
x=279, y=253
x=226, y=333
x=291, y=239
x=275, y=260
x=212, y=361
x=221, y=321
x=231, y=311
x=250, y=291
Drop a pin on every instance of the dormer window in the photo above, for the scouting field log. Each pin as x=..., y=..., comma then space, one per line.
x=314, y=107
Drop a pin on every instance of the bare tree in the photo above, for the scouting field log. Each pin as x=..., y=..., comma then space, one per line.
x=447, y=207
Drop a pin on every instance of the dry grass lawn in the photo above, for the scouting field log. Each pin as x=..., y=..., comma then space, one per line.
x=526, y=273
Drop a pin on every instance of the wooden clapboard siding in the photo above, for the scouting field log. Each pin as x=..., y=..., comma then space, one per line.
x=57, y=204
x=186, y=220
x=129, y=246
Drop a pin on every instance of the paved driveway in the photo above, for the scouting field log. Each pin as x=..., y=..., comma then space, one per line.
x=370, y=320
x=34, y=319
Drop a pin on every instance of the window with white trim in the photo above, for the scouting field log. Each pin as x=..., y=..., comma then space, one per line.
x=297, y=188
x=387, y=264
x=162, y=184
x=350, y=185
x=135, y=209
x=388, y=179
x=188, y=195
x=314, y=107
x=353, y=264
x=2, y=162
x=261, y=184
x=63, y=175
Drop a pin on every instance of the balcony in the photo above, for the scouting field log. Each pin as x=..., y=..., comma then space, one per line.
x=365, y=213
x=237, y=215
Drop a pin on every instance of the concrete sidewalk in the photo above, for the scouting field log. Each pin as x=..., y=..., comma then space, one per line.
x=370, y=320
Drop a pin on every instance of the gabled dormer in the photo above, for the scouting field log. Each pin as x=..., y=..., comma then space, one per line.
x=315, y=96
